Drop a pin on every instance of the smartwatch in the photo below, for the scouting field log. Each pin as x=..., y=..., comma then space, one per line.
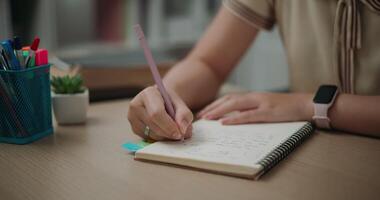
x=323, y=100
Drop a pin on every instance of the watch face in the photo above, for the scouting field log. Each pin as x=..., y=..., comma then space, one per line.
x=325, y=94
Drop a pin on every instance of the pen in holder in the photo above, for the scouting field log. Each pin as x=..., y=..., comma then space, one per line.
x=25, y=105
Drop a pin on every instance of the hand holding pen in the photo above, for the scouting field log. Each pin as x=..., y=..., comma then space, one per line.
x=147, y=109
x=157, y=112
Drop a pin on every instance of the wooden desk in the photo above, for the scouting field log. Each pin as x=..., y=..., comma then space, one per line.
x=87, y=162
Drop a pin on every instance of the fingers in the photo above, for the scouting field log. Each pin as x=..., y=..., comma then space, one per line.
x=157, y=115
x=249, y=116
x=212, y=106
x=139, y=123
x=152, y=133
x=184, y=117
x=234, y=104
x=189, y=132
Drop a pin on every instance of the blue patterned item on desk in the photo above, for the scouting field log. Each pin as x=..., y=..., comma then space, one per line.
x=133, y=147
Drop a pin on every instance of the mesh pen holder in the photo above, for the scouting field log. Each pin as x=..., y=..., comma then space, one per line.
x=25, y=105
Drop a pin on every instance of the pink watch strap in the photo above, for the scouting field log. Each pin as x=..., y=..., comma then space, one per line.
x=322, y=122
x=320, y=117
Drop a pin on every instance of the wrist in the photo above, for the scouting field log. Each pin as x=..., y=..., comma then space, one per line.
x=307, y=108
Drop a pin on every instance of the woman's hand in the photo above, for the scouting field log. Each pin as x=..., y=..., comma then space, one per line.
x=148, y=109
x=260, y=107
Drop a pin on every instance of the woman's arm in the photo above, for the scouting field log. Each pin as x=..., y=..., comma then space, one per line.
x=203, y=71
x=193, y=82
x=351, y=113
x=357, y=114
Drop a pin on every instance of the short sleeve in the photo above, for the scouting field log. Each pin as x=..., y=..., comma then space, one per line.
x=259, y=13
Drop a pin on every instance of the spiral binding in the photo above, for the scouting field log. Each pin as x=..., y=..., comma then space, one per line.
x=282, y=150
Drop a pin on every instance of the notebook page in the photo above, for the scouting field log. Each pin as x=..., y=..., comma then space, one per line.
x=242, y=145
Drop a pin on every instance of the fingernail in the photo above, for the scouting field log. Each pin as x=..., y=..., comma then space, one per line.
x=189, y=128
x=177, y=136
x=184, y=125
x=225, y=121
x=208, y=117
x=189, y=131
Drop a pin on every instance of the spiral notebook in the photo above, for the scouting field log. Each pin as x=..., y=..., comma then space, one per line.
x=239, y=150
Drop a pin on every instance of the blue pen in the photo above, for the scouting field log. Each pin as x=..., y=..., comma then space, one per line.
x=14, y=63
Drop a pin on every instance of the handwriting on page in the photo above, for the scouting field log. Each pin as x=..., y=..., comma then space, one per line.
x=235, y=145
x=243, y=144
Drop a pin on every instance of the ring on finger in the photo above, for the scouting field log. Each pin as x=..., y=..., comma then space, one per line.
x=147, y=131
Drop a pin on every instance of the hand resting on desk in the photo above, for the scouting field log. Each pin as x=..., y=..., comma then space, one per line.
x=254, y=107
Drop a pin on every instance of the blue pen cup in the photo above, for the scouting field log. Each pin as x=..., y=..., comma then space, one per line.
x=25, y=105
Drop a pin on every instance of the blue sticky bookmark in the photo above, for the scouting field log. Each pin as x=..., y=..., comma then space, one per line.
x=133, y=147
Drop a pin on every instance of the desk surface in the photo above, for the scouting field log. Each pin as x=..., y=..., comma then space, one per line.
x=87, y=162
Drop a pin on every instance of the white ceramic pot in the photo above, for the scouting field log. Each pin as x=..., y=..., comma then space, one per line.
x=70, y=108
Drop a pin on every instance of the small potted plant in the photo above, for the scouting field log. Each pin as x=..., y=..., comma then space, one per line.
x=70, y=99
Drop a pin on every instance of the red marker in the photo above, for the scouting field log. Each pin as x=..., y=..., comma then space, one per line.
x=41, y=57
x=32, y=52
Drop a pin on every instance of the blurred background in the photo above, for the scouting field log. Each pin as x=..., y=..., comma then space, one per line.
x=98, y=36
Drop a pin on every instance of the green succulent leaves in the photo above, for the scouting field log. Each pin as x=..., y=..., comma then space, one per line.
x=67, y=84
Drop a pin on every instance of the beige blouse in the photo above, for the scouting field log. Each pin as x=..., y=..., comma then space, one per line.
x=326, y=41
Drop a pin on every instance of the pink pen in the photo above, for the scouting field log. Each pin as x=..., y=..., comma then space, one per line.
x=156, y=75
